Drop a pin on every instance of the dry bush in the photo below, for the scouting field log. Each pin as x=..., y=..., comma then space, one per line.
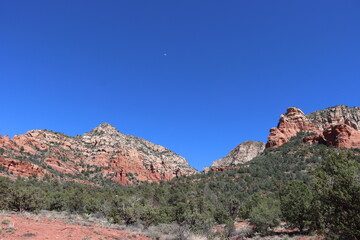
x=168, y=232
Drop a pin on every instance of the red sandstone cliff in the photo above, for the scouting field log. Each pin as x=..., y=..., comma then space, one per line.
x=104, y=153
x=335, y=126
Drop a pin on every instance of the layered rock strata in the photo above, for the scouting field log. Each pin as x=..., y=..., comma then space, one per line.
x=335, y=126
x=243, y=153
x=103, y=153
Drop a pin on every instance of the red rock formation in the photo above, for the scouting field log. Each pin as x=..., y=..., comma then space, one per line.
x=292, y=122
x=22, y=168
x=336, y=126
x=103, y=152
x=342, y=135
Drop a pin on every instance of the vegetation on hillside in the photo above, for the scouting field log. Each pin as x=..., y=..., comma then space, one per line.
x=312, y=187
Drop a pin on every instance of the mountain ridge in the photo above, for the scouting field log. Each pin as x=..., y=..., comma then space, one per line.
x=125, y=159
x=334, y=126
x=104, y=153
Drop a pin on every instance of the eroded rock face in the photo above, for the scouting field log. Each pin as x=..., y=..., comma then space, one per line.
x=342, y=135
x=332, y=116
x=22, y=168
x=290, y=123
x=335, y=126
x=243, y=153
x=102, y=153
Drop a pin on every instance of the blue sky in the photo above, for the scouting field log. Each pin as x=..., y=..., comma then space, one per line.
x=198, y=77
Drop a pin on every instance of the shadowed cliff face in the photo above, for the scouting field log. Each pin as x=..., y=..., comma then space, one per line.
x=335, y=126
x=103, y=153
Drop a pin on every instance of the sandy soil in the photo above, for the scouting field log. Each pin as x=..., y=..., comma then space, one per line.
x=26, y=226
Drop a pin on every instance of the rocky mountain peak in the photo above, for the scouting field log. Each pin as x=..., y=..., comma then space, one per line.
x=294, y=110
x=105, y=128
x=336, y=126
x=244, y=152
x=101, y=154
x=293, y=114
x=290, y=123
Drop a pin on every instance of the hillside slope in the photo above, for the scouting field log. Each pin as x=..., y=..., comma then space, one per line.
x=100, y=155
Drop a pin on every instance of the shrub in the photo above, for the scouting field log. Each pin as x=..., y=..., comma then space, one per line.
x=265, y=214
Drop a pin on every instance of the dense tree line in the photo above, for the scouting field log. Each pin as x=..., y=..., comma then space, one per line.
x=312, y=187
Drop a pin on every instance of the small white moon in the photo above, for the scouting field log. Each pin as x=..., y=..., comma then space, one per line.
x=165, y=54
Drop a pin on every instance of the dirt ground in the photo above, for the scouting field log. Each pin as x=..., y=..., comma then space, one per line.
x=37, y=227
x=58, y=226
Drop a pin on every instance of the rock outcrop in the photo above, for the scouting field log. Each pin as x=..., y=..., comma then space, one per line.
x=332, y=116
x=104, y=153
x=341, y=135
x=243, y=153
x=335, y=126
x=290, y=123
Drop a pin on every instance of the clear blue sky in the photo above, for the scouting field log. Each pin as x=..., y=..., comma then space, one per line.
x=198, y=77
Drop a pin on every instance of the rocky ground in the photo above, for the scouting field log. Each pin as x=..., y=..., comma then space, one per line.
x=57, y=226
x=54, y=225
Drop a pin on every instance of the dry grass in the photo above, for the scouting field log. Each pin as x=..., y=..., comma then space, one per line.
x=159, y=232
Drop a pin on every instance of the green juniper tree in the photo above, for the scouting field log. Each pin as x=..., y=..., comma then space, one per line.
x=265, y=214
x=296, y=202
x=337, y=192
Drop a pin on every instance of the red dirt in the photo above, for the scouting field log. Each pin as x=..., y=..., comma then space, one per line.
x=17, y=226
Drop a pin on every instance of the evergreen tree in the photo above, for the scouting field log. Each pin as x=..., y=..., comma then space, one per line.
x=265, y=214
x=337, y=190
x=296, y=201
